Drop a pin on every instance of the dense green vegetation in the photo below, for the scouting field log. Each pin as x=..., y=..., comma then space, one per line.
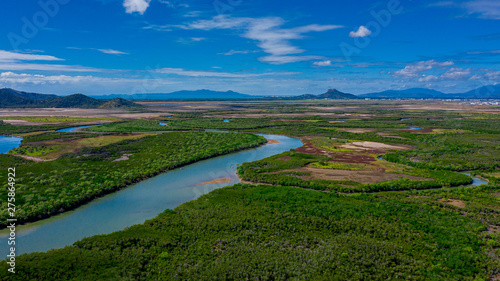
x=47, y=188
x=283, y=233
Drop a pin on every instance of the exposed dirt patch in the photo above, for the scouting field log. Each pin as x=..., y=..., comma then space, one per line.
x=369, y=145
x=33, y=158
x=357, y=130
x=496, y=194
x=221, y=180
x=123, y=158
x=453, y=202
x=272, y=141
x=284, y=158
x=363, y=177
x=345, y=157
x=389, y=135
x=493, y=229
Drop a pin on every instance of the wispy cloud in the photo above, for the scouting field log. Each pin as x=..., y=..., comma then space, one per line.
x=202, y=73
x=486, y=9
x=37, y=79
x=191, y=40
x=21, y=61
x=268, y=32
x=484, y=52
x=415, y=70
x=6, y=56
x=361, y=32
x=234, y=52
x=47, y=67
x=112, y=52
x=192, y=14
x=323, y=63
x=136, y=6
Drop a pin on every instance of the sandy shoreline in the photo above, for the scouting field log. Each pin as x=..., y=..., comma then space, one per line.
x=221, y=180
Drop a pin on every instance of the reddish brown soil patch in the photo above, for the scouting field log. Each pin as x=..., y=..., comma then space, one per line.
x=222, y=180
x=272, y=141
x=363, y=177
x=284, y=158
x=345, y=157
x=453, y=202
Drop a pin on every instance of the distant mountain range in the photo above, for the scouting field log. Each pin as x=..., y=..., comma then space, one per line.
x=485, y=92
x=10, y=98
x=200, y=94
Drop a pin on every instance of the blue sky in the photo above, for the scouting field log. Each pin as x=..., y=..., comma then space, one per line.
x=257, y=47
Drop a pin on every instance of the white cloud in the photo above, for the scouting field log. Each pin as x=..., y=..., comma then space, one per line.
x=37, y=79
x=6, y=56
x=201, y=73
x=17, y=61
x=47, y=67
x=271, y=37
x=234, y=52
x=428, y=78
x=192, y=14
x=415, y=69
x=362, y=32
x=487, y=9
x=112, y=52
x=136, y=6
x=484, y=52
x=323, y=63
x=456, y=74
x=287, y=59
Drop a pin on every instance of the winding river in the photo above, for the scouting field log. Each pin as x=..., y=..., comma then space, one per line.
x=76, y=129
x=139, y=202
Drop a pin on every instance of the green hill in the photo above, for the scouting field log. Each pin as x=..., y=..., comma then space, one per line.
x=120, y=103
x=10, y=98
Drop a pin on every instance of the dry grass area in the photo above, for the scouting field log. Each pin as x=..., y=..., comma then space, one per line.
x=453, y=202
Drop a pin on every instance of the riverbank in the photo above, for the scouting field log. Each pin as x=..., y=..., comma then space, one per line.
x=124, y=173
